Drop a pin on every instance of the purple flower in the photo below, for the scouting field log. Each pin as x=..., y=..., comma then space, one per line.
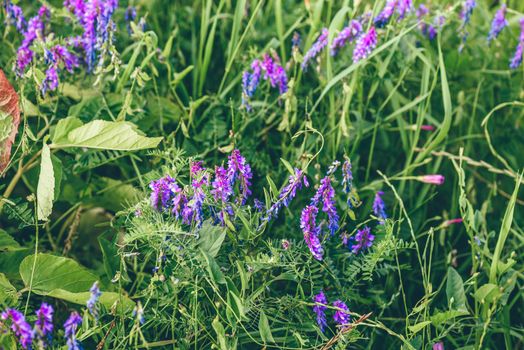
x=250, y=82
x=363, y=240
x=499, y=22
x=70, y=327
x=385, y=15
x=93, y=300
x=438, y=346
x=34, y=30
x=346, y=35
x=50, y=81
x=365, y=45
x=15, y=15
x=379, y=208
x=404, y=7
x=347, y=176
x=341, y=316
x=432, y=179
x=310, y=229
x=326, y=194
x=288, y=192
x=19, y=327
x=95, y=17
x=465, y=16
x=319, y=309
x=316, y=48
x=162, y=192
x=222, y=189
x=275, y=73
x=44, y=320
x=519, y=51
x=60, y=54
x=239, y=169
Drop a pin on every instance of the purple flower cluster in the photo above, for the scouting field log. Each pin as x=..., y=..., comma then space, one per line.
x=363, y=240
x=70, y=328
x=326, y=195
x=19, y=327
x=465, y=15
x=288, y=193
x=427, y=29
x=499, y=22
x=341, y=315
x=403, y=7
x=379, y=208
x=188, y=203
x=347, y=180
x=316, y=48
x=57, y=55
x=320, y=309
x=95, y=17
x=34, y=30
x=22, y=329
x=385, y=15
x=308, y=224
x=516, y=60
x=346, y=35
x=14, y=15
x=273, y=72
x=239, y=169
x=365, y=45
x=93, y=300
x=44, y=320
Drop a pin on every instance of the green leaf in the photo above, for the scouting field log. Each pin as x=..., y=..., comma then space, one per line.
x=110, y=256
x=8, y=293
x=455, y=289
x=102, y=134
x=419, y=326
x=288, y=166
x=7, y=243
x=264, y=330
x=213, y=269
x=211, y=238
x=442, y=317
x=63, y=128
x=219, y=330
x=10, y=262
x=45, y=192
x=53, y=272
x=108, y=299
x=487, y=293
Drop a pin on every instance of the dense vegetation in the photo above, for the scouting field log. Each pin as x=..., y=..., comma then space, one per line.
x=261, y=174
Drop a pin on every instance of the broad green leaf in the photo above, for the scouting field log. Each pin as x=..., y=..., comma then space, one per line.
x=487, y=293
x=455, y=289
x=102, y=134
x=419, y=326
x=63, y=128
x=213, y=269
x=264, y=330
x=7, y=243
x=442, y=317
x=219, y=330
x=108, y=299
x=54, y=272
x=8, y=293
x=6, y=125
x=10, y=262
x=211, y=238
x=45, y=192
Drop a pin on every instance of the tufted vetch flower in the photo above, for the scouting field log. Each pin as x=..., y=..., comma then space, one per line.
x=363, y=239
x=310, y=229
x=365, y=45
x=316, y=48
x=19, y=327
x=341, y=316
x=319, y=309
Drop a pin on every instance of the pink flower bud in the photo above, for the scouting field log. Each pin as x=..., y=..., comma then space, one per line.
x=438, y=346
x=452, y=221
x=432, y=179
x=427, y=127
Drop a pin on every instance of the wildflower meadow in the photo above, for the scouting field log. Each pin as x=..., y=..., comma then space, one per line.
x=262, y=174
